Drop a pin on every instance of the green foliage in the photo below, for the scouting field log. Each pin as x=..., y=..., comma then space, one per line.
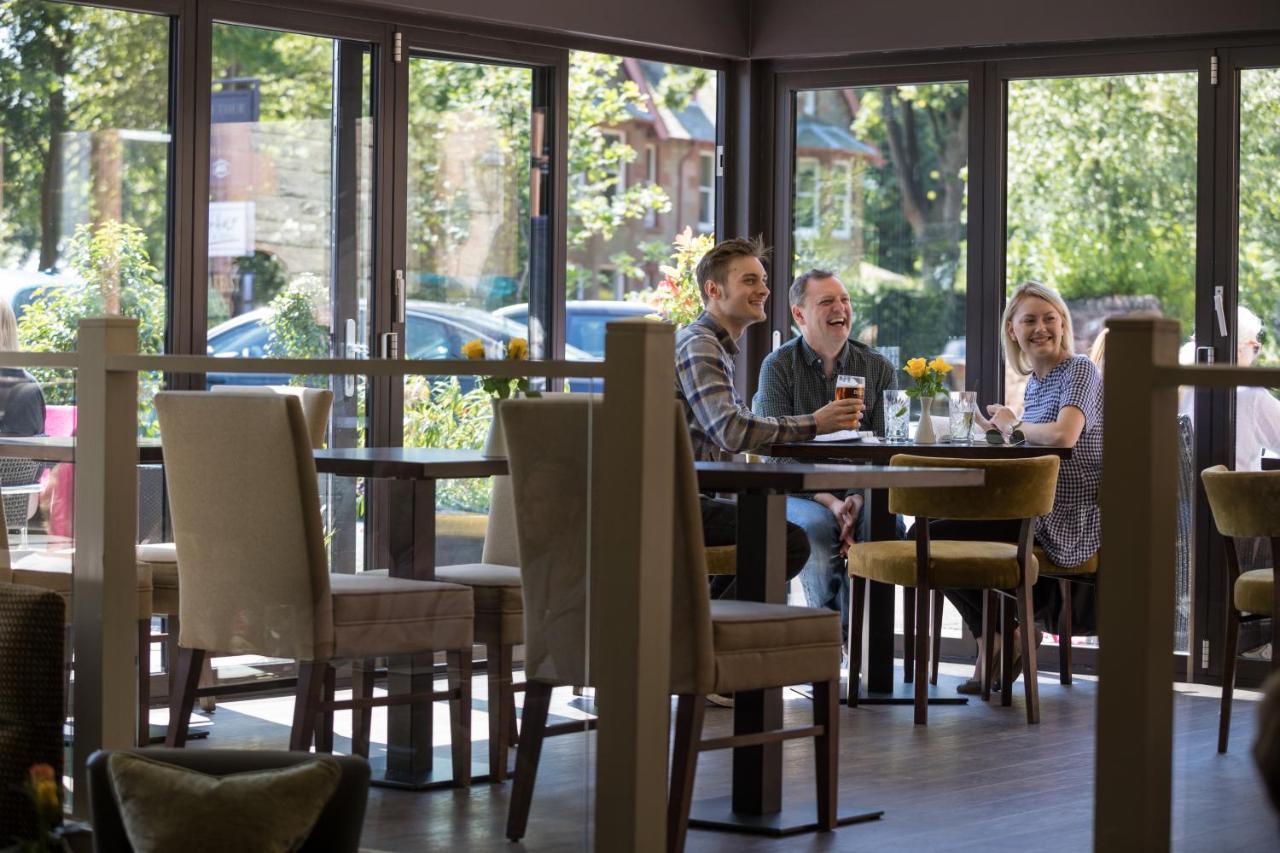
x=292, y=328
x=677, y=298
x=1259, y=268
x=116, y=277
x=443, y=415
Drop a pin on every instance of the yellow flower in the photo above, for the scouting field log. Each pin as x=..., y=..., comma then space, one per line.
x=518, y=349
x=939, y=366
x=41, y=773
x=916, y=368
x=45, y=794
x=473, y=349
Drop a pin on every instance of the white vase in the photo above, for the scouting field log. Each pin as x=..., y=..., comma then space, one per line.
x=495, y=446
x=924, y=430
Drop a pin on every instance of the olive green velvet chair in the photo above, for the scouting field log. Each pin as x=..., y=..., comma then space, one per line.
x=1245, y=504
x=254, y=574
x=1015, y=489
x=717, y=646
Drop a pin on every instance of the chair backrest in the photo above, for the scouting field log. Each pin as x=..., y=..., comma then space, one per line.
x=554, y=487
x=337, y=829
x=1013, y=488
x=1244, y=503
x=252, y=569
x=501, y=547
x=317, y=403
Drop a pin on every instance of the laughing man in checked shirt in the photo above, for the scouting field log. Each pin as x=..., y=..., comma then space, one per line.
x=734, y=286
x=800, y=377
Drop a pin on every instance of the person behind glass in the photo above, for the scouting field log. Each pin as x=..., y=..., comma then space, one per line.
x=1062, y=406
x=21, y=400
x=734, y=287
x=800, y=377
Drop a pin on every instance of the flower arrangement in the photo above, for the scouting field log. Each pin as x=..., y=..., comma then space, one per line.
x=502, y=387
x=928, y=376
x=43, y=789
x=676, y=298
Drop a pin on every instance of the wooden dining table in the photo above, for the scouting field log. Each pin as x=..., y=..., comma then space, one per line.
x=878, y=640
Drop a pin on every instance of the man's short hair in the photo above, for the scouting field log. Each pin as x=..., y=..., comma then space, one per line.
x=801, y=284
x=714, y=265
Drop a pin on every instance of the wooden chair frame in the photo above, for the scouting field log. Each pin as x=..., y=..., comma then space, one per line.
x=1232, y=633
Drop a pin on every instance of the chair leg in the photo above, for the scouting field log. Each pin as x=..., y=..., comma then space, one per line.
x=1229, y=650
x=144, y=682
x=936, y=609
x=362, y=677
x=826, y=747
x=690, y=711
x=171, y=629
x=857, y=607
x=1006, y=651
x=1064, y=634
x=988, y=654
x=459, y=662
x=922, y=656
x=908, y=634
x=306, y=698
x=1030, y=684
x=324, y=732
x=208, y=704
x=537, y=701
x=182, y=695
x=498, y=672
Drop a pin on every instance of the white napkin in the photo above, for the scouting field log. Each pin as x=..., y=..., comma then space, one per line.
x=842, y=435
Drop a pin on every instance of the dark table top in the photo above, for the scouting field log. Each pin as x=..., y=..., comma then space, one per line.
x=810, y=477
x=1270, y=463
x=408, y=463
x=879, y=453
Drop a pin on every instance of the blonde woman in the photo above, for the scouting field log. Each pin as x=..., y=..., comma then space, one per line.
x=21, y=400
x=1062, y=406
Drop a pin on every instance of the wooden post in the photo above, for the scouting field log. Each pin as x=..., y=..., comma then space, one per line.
x=630, y=581
x=1133, y=785
x=104, y=584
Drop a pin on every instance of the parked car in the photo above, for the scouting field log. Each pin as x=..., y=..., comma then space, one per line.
x=585, y=320
x=22, y=287
x=433, y=330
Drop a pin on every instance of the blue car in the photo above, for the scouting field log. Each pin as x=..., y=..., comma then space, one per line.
x=434, y=331
x=585, y=320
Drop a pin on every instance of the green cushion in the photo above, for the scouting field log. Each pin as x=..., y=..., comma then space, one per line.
x=1254, y=591
x=952, y=565
x=167, y=808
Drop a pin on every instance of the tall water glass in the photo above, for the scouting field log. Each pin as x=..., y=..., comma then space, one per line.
x=897, y=414
x=963, y=405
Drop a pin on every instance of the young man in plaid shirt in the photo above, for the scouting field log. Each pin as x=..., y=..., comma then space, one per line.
x=734, y=287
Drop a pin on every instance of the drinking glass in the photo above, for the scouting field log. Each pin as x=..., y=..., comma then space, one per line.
x=963, y=405
x=897, y=414
x=851, y=387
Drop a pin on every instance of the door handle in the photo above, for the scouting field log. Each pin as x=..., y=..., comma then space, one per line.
x=1220, y=311
x=349, y=351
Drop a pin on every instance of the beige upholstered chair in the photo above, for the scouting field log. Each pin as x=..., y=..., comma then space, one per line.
x=717, y=646
x=161, y=559
x=1245, y=504
x=1014, y=489
x=254, y=575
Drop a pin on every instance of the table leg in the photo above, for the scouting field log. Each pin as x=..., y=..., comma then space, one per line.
x=410, y=760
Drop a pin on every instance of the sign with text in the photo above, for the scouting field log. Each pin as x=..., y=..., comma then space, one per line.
x=230, y=229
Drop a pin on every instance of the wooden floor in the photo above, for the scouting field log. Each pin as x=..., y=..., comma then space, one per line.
x=976, y=778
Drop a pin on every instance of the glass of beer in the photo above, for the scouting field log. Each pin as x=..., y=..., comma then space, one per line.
x=851, y=388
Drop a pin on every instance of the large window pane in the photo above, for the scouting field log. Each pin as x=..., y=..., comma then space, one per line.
x=642, y=166
x=879, y=198
x=1102, y=205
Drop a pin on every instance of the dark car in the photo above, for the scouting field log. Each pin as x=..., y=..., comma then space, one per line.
x=433, y=331
x=585, y=320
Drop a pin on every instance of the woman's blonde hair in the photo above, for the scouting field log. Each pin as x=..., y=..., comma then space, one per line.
x=8, y=327
x=1013, y=353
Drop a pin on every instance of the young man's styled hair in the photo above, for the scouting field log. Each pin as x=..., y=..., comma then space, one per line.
x=798, y=287
x=714, y=265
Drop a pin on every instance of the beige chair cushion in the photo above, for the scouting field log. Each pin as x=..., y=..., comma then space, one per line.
x=952, y=565
x=375, y=615
x=722, y=559
x=1254, y=591
x=499, y=600
x=162, y=559
x=1047, y=567
x=461, y=525
x=1243, y=502
x=165, y=808
x=766, y=645
x=51, y=570
x=158, y=552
